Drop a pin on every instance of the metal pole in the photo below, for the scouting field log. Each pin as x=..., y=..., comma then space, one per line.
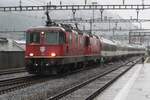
x=116, y=24
x=113, y=33
x=101, y=14
x=109, y=24
x=85, y=2
x=93, y=15
x=137, y=15
x=94, y=3
x=90, y=26
x=50, y=3
x=74, y=12
x=123, y=2
x=142, y=2
x=129, y=37
x=20, y=4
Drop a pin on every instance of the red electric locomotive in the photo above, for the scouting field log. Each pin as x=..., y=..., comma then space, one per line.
x=52, y=49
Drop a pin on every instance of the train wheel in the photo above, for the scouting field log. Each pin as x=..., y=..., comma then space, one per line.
x=75, y=65
x=56, y=69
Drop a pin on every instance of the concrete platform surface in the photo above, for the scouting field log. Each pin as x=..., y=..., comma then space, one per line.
x=134, y=85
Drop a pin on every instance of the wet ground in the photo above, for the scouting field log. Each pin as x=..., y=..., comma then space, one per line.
x=134, y=85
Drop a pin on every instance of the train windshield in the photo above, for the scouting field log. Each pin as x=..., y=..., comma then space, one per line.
x=55, y=37
x=33, y=37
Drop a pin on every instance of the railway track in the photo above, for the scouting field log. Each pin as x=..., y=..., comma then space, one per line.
x=12, y=71
x=9, y=85
x=92, y=87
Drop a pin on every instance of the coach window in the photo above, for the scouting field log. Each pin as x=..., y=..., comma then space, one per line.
x=33, y=38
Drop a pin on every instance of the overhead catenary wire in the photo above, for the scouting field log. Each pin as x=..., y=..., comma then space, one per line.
x=37, y=2
x=21, y=2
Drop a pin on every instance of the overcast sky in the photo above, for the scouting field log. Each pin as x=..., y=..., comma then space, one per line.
x=124, y=14
x=38, y=2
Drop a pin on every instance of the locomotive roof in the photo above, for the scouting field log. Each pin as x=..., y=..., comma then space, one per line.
x=46, y=28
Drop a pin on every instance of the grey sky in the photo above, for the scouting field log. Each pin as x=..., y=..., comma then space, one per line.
x=36, y=2
x=123, y=14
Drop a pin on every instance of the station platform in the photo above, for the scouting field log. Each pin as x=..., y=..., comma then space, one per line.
x=134, y=85
x=11, y=54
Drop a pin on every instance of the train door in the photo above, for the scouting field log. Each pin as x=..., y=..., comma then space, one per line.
x=99, y=46
x=73, y=50
x=76, y=43
x=70, y=43
x=80, y=45
x=87, y=45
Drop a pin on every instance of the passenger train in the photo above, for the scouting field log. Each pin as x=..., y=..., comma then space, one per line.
x=53, y=49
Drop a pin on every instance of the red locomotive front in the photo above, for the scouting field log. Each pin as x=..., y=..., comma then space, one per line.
x=45, y=47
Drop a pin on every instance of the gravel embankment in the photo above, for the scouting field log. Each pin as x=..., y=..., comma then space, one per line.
x=43, y=90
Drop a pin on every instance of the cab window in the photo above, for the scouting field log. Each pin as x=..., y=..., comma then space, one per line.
x=33, y=37
x=52, y=37
x=55, y=37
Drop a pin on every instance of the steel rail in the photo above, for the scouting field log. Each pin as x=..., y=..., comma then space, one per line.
x=76, y=87
x=100, y=90
x=4, y=72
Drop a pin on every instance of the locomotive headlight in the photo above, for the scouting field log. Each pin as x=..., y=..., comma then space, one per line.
x=42, y=33
x=31, y=54
x=53, y=54
x=47, y=64
x=36, y=64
